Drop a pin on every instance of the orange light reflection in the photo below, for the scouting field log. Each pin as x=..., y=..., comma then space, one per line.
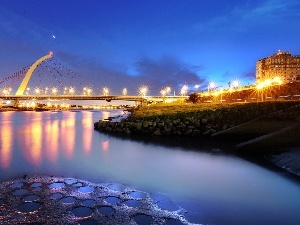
x=36, y=135
x=33, y=139
x=6, y=141
x=68, y=134
x=105, y=145
x=52, y=140
x=87, y=125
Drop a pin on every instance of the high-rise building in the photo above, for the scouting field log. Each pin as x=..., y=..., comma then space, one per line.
x=280, y=64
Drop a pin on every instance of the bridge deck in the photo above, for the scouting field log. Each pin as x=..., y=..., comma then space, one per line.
x=87, y=97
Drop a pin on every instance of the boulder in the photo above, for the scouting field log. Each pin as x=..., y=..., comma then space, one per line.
x=157, y=132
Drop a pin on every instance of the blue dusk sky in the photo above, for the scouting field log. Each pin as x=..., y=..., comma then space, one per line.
x=158, y=43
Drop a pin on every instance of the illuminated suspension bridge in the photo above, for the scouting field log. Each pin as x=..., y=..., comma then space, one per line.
x=48, y=79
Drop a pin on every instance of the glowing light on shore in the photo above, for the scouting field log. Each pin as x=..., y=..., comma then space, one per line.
x=168, y=90
x=235, y=83
x=143, y=90
x=269, y=83
x=211, y=86
x=184, y=90
x=163, y=92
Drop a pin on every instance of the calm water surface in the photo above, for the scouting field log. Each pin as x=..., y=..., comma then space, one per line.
x=213, y=187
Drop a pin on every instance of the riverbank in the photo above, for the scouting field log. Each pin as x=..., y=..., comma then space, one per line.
x=264, y=129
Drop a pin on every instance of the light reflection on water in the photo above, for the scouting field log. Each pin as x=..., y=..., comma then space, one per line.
x=6, y=140
x=215, y=188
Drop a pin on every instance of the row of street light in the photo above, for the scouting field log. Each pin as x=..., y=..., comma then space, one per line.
x=143, y=90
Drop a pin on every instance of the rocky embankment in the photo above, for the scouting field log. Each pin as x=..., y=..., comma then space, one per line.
x=187, y=127
x=269, y=129
x=195, y=123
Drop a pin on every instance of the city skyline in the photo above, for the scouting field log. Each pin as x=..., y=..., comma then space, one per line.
x=119, y=44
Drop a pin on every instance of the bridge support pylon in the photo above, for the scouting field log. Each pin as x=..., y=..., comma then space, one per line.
x=27, y=77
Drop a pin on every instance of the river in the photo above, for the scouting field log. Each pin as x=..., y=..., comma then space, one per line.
x=213, y=187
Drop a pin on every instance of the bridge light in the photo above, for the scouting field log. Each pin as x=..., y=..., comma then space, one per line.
x=124, y=91
x=105, y=91
x=143, y=90
x=72, y=90
x=37, y=91
x=54, y=90
x=163, y=92
x=184, y=90
x=168, y=90
x=89, y=91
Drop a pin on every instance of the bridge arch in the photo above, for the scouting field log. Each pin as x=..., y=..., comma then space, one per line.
x=27, y=77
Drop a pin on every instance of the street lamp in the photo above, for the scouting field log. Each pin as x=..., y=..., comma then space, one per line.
x=184, y=90
x=168, y=90
x=235, y=83
x=211, y=86
x=163, y=92
x=221, y=92
x=54, y=90
x=124, y=91
x=27, y=91
x=262, y=85
x=5, y=91
x=72, y=90
x=37, y=91
x=87, y=91
x=143, y=90
x=105, y=91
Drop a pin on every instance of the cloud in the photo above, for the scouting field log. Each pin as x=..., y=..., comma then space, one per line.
x=156, y=74
x=167, y=71
x=246, y=16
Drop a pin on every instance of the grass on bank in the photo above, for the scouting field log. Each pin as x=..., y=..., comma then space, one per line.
x=162, y=109
x=173, y=109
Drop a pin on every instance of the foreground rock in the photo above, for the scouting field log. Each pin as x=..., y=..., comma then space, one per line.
x=57, y=200
x=187, y=127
